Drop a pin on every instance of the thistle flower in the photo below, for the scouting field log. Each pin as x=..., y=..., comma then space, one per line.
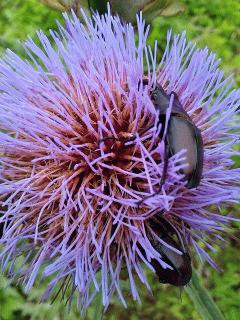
x=81, y=147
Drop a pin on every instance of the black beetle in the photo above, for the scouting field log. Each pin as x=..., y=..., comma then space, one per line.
x=181, y=271
x=182, y=133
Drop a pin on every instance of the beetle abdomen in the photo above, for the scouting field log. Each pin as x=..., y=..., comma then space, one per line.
x=181, y=271
x=175, y=277
x=182, y=134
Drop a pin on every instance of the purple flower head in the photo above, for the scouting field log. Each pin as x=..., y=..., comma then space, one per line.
x=82, y=150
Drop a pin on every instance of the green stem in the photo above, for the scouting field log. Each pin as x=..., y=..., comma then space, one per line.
x=203, y=302
x=89, y=4
x=98, y=308
x=99, y=5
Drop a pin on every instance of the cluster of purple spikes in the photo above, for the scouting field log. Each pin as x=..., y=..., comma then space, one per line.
x=69, y=196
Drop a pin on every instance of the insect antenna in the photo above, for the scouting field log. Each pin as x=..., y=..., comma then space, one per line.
x=123, y=139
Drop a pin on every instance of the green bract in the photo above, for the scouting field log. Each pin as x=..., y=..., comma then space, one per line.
x=126, y=9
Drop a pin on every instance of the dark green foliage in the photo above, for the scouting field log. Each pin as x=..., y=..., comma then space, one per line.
x=100, y=5
x=215, y=24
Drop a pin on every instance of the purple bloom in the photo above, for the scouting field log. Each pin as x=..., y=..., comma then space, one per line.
x=70, y=197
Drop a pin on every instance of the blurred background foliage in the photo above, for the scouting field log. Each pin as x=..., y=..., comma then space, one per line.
x=215, y=24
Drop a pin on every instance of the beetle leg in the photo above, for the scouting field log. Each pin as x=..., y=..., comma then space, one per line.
x=164, y=174
x=165, y=166
x=175, y=95
x=107, y=138
x=140, y=133
x=125, y=140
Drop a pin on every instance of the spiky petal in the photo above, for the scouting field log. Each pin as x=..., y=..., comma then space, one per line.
x=80, y=148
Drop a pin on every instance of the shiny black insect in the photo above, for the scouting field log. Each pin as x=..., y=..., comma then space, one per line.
x=2, y=226
x=1, y=230
x=181, y=272
x=182, y=133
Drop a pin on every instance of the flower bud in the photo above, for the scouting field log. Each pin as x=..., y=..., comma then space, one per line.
x=151, y=8
x=126, y=9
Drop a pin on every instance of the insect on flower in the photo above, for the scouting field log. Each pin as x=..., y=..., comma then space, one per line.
x=181, y=133
x=82, y=144
x=179, y=260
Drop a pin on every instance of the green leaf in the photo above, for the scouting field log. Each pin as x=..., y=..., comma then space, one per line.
x=173, y=9
x=127, y=9
x=54, y=4
x=66, y=5
x=203, y=302
x=157, y=8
